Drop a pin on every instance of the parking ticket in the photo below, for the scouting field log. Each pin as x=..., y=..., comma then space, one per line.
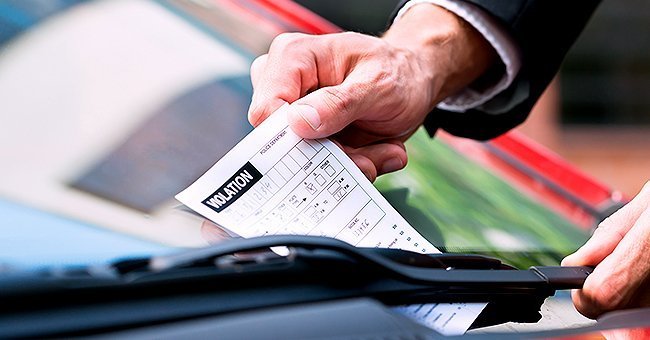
x=274, y=182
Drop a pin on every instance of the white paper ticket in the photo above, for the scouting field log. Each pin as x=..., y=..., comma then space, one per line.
x=275, y=183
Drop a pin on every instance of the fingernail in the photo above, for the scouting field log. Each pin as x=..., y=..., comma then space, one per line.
x=391, y=165
x=309, y=115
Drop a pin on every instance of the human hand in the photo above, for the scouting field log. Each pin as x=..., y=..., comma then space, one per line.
x=620, y=250
x=370, y=94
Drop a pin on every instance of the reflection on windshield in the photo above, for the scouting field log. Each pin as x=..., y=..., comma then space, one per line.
x=462, y=207
x=168, y=151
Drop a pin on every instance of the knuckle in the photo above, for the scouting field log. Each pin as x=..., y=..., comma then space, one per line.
x=258, y=61
x=388, y=77
x=304, y=66
x=383, y=77
x=380, y=82
x=348, y=36
x=284, y=41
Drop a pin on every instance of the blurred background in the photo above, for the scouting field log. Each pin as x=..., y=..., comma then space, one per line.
x=108, y=108
x=597, y=112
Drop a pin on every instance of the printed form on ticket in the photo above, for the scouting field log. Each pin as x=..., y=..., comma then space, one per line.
x=274, y=182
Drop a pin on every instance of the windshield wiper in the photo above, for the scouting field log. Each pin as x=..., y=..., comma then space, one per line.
x=473, y=272
x=242, y=275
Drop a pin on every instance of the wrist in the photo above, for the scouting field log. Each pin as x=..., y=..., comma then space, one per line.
x=449, y=51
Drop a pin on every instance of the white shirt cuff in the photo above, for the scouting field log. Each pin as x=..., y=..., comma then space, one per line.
x=492, y=31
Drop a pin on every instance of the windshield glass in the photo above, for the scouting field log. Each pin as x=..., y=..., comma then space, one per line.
x=462, y=206
x=110, y=108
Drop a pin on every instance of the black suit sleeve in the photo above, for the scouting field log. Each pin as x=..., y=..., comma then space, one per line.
x=544, y=30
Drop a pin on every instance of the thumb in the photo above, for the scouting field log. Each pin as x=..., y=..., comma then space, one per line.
x=326, y=111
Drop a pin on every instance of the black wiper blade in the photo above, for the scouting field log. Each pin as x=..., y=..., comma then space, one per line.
x=440, y=269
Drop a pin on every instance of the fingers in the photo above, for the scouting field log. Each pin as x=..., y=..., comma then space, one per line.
x=285, y=74
x=378, y=159
x=334, y=80
x=262, y=105
x=621, y=280
x=610, y=232
x=338, y=84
